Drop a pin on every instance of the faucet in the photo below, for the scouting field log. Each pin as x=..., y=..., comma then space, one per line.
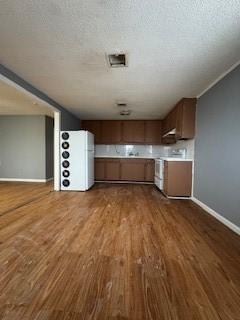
x=131, y=154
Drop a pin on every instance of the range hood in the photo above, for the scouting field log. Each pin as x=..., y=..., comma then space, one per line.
x=170, y=133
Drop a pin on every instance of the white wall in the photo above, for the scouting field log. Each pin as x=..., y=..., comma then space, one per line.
x=144, y=150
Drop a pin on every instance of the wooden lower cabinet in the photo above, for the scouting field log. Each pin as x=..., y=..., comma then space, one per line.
x=149, y=170
x=133, y=170
x=177, y=178
x=99, y=169
x=111, y=169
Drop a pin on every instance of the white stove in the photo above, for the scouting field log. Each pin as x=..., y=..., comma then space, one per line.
x=176, y=155
x=159, y=172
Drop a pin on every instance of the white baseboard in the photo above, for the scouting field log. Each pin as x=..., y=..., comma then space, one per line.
x=216, y=215
x=24, y=180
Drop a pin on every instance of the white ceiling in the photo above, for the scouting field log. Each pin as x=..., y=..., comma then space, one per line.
x=175, y=49
x=15, y=102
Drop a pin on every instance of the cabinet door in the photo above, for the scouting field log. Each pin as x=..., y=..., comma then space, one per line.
x=112, y=169
x=111, y=131
x=165, y=178
x=153, y=131
x=172, y=119
x=185, y=124
x=133, y=170
x=93, y=126
x=165, y=128
x=133, y=131
x=99, y=169
x=149, y=170
x=177, y=178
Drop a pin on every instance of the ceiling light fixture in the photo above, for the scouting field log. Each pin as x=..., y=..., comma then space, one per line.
x=125, y=112
x=121, y=104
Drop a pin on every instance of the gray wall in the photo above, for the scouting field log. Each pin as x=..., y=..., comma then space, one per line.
x=217, y=148
x=26, y=147
x=68, y=120
x=22, y=147
x=49, y=146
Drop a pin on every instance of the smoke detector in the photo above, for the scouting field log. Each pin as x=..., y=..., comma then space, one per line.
x=117, y=60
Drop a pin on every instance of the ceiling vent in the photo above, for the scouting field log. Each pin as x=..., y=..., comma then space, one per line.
x=117, y=60
x=125, y=112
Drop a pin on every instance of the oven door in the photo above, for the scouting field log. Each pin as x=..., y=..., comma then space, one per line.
x=158, y=179
x=159, y=183
x=159, y=168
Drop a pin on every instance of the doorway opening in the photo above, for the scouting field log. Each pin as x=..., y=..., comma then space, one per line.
x=29, y=147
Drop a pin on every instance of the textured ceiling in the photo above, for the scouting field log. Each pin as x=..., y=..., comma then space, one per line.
x=14, y=102
x=175, y=49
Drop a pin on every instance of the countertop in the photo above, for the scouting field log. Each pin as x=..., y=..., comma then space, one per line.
x=144, y=157
x=174, y=159
x=127, y=157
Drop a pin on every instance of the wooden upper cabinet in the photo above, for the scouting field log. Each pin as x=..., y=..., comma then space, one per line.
x=181, y=118
x=169, y=123
x=153, y=131
x=185, y=120
x=124, y=131
x=111, y=131
x=93, y=126
x=133, y=131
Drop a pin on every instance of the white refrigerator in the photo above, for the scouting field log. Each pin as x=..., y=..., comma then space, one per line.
x=77, y=160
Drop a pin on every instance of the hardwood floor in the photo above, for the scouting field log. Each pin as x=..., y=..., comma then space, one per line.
x=116, y=252
x=15, y=194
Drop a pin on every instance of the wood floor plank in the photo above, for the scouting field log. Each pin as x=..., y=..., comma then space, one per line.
x=115, y=252
x=15, y=194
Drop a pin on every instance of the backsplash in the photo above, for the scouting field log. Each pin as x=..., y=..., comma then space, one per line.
x=187, y=144
x=143, y=150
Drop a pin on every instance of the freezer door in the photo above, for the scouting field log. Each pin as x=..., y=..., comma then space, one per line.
x=89, y=160
x=90, y=141
x=90, y=169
